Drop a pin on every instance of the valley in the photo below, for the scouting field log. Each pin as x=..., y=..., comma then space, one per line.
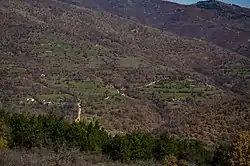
x=56, y=55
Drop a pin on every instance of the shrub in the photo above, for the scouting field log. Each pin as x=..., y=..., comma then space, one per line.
x=195, y=151
x=3, y=143
x=220, y=156
x=240, y=153
x=4, y=129
x=170, y=161
x=166, y=146
x=141, y=146
x=135, y=146
x=118, y=148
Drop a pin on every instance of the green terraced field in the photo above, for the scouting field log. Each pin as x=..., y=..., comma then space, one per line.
x=49, y=45
x=54, y=97
x=92, y=94
x=180, y=90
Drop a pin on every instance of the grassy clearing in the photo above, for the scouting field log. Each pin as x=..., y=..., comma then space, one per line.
x=180, y=90
x=97, y=50
x=97, y=55
x=12, y=69
x=237, y=70
x=17, y=70
x=234, y=72
x=92, y=94
x=50, y=46
x=95, y=61
x=130, y=62
x=54, y=97
x=92, y=55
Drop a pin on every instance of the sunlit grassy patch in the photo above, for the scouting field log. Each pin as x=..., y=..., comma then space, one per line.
x=180, y=90
x=54, y=97
x=130, y=61
x=234, y=72
x=93, y=94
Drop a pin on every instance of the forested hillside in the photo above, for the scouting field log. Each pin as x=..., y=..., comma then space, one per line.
x=141, y=84
x=223, y=24
x=53, y=133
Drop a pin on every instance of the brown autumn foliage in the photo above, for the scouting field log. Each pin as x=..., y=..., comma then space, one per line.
x=39, y=157
x=72, y=45
x=240, y=154
x=171, y=161
x=220, y=23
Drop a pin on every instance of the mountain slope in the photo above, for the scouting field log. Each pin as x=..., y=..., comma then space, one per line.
x=127, y=75
x=222, y=24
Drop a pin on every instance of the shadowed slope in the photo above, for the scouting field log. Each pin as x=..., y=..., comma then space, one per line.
x=220, y=23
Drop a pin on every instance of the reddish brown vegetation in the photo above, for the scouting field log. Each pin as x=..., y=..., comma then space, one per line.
x=222, y=24
x=28, y=27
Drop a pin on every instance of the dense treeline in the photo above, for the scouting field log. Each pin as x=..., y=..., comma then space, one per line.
x=50, y=131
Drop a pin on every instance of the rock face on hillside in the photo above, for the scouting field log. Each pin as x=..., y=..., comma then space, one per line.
x=222, y=24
